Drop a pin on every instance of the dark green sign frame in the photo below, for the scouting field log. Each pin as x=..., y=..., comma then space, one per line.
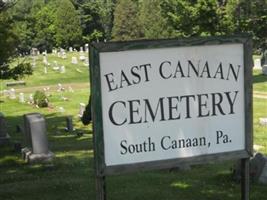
x=102, y=170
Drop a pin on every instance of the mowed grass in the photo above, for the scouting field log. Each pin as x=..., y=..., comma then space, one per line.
x=71, y=175
x=260, y=81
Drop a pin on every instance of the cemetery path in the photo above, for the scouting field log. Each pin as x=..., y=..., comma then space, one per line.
x=261, y=95
x=74, y=86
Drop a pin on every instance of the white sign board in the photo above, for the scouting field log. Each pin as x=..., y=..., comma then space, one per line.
x=169, y=103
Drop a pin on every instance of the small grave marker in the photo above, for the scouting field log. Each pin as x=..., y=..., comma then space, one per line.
x=31, y=100
x=45, y=69
x=263, y=121
x=257, y=63
x=81, y=109
x=12, y=93
x=21, y=97
x=62, y=69
x=69, y=123
x=74, y=60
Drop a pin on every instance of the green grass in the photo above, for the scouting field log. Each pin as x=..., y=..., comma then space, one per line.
x=74, y=73
x=72, y=174
x=259, y=81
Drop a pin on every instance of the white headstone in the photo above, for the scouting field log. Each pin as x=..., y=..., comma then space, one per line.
x=61, y=109
x=60, y=87
x=45, y=60
x=70, y=89
x=33, y=62
x=86, y=48
x=74, y=60
x=263, y=121
x=62, y=69
x=70, y=49
x=81, y=49
x=82, y=57
x=21, y=98
x=81, y=110
x=64, y=55
x=31, y=100
x=45, y=69
x=257, y=63
x=12, y=93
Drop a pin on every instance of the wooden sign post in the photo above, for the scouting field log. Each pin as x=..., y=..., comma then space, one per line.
x=161, y=103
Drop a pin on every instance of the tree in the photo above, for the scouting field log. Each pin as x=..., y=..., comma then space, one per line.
x=250, y=17
x=67, y=25
x=194, y=17
x=8, y=50
x=153, y=24
x=45, y=28
x=91, y=20
x=126, y=25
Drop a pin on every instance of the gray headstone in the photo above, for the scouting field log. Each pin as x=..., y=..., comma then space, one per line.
x=263, y=176
x=36, y=138
x=4, y=137
x=256, y=166
x=264, y=69
x=257, y=171
x=69, y=123
x=264, y=58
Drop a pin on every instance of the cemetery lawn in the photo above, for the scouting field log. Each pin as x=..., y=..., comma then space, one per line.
x=71, y=175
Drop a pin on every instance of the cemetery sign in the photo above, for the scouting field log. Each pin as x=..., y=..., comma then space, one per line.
x=160, y=103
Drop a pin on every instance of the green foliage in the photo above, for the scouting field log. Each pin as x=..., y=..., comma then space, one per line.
x=67, y=25
x=45, y=28
x=8, y=43
x=126, y=24
x=153, y=24
x=17, y=72
x=213, y=17
x=250, y=16
x=194, y=18
x=40, y=99
x=24, y=22
x=91, y=20
x=8, y=40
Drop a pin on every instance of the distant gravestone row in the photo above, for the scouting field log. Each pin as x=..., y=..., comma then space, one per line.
x=61, y=53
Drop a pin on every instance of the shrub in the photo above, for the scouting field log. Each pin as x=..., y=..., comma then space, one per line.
x=40, y=99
